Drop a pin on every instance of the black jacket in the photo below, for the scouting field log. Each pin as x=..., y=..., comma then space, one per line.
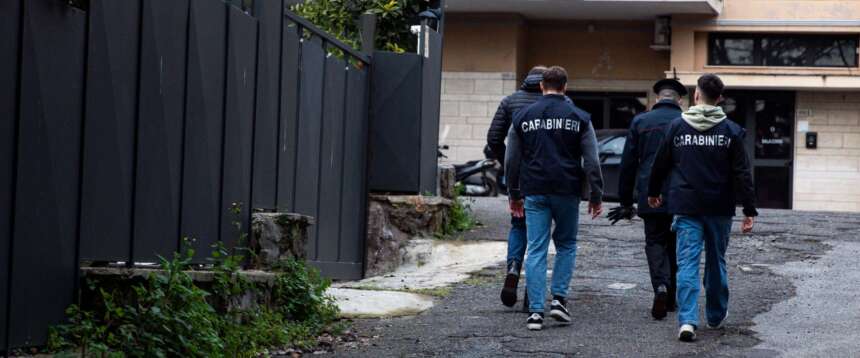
x=646, y=134
x=706, y=170
x=528, y=93
x=553, y=147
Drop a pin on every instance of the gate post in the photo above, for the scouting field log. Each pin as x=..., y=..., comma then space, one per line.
x=367, y=26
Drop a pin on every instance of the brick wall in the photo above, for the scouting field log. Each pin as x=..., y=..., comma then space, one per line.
x=828, y=178
x=469, y=101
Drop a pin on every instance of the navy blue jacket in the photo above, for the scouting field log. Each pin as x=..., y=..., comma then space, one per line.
x=706, y=170
x=646, y=134
x=552, y=147
x=528, y=93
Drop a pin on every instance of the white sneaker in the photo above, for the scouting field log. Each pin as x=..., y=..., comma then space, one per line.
x=687, y=333
x=721, y=324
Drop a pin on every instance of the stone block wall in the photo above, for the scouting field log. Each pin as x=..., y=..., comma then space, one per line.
x=469, y=101
x=828, y=178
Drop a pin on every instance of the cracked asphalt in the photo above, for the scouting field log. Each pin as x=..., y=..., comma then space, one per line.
x=781, y=278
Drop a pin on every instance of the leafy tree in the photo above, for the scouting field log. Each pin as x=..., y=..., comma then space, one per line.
x=340, y=18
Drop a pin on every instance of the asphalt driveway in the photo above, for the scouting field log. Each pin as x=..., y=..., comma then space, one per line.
x=793, y=293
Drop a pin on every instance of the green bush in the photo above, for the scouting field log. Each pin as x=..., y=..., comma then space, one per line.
x=340, y=18
x=301, y=294
x=169, y=316
x=460, y=216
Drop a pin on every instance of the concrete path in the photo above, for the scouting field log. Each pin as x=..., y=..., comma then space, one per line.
x=823, y=320
x=782, y=278
x=432, y=264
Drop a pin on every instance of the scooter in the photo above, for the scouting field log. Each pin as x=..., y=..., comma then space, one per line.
x=477, y=177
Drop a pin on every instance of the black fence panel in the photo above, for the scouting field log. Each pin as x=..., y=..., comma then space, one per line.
x=139, y=122
x=270, y=14
x=327, y=243
x=291, y=54
x=238, y=123
x=10, y=15
x=43, y=269
x=109, y=136
x=431, y=93
x=160, y=128
x=354, y=197
x=204, y=124
x=309, y=135
x=395, y=123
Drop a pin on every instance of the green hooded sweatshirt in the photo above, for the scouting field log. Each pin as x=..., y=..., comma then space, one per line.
x=704, y=116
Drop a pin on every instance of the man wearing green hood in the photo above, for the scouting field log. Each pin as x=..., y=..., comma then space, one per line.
x=705, y=162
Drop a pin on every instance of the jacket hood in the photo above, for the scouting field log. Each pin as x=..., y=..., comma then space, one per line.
x=704, y=117
x=532, y=83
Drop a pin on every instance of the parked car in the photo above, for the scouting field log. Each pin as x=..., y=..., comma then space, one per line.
x=610, y=143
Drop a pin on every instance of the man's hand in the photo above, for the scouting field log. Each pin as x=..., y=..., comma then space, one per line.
x=517, y=208
x=747, y=225
x=595, y=209
x=655, y=201
x=618, y=213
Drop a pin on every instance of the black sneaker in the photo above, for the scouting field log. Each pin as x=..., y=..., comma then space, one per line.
x=672, y=303
x=558, y=311
x=512, y=279
x=661, y=301
x=535, y=322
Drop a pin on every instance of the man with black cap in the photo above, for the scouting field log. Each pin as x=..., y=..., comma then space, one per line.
x=528, y=93
x=646, y=133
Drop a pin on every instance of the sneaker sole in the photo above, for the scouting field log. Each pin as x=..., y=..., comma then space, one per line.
x=509, y=291
x=687, y=336
x=534, y=326
x=560, y=316
x=658, y=310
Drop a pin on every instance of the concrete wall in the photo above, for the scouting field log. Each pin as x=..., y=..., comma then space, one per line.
x=483, y=43
x=486, y=56
x=609, y=50
x=593, y=50
x=690, y=33
x=791, y=9
x=469, y=101
x=828, y=178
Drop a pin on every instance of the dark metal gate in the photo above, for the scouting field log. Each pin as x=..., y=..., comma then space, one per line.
x=404, y=135
x=131, y=124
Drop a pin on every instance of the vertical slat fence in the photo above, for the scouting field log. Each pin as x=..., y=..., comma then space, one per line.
x=129, y=125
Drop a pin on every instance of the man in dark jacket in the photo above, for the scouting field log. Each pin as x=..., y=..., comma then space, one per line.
x=705, y=162
x=552, y=149
x=529, y=93
x=646, y=133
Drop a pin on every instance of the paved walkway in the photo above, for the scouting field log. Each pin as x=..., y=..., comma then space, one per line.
x=791, y=295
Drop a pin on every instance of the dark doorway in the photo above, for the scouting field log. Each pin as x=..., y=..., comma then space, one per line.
x=611, y=110
x=768, y=117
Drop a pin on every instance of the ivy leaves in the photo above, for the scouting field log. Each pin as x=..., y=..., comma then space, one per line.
x=340, y=18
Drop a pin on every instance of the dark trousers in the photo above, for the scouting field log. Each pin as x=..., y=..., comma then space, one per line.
x=517, y=240
x=660, y=250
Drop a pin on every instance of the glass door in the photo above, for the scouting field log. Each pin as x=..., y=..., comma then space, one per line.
x=768, y=117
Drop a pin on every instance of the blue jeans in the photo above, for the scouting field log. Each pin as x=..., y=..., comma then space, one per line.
x=517, y=240
x=541, y=211
x=693, y=233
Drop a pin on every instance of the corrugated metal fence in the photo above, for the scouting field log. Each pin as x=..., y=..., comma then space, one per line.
x=134, y=123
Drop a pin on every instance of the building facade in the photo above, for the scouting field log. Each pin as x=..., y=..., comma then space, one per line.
x=790, y=67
